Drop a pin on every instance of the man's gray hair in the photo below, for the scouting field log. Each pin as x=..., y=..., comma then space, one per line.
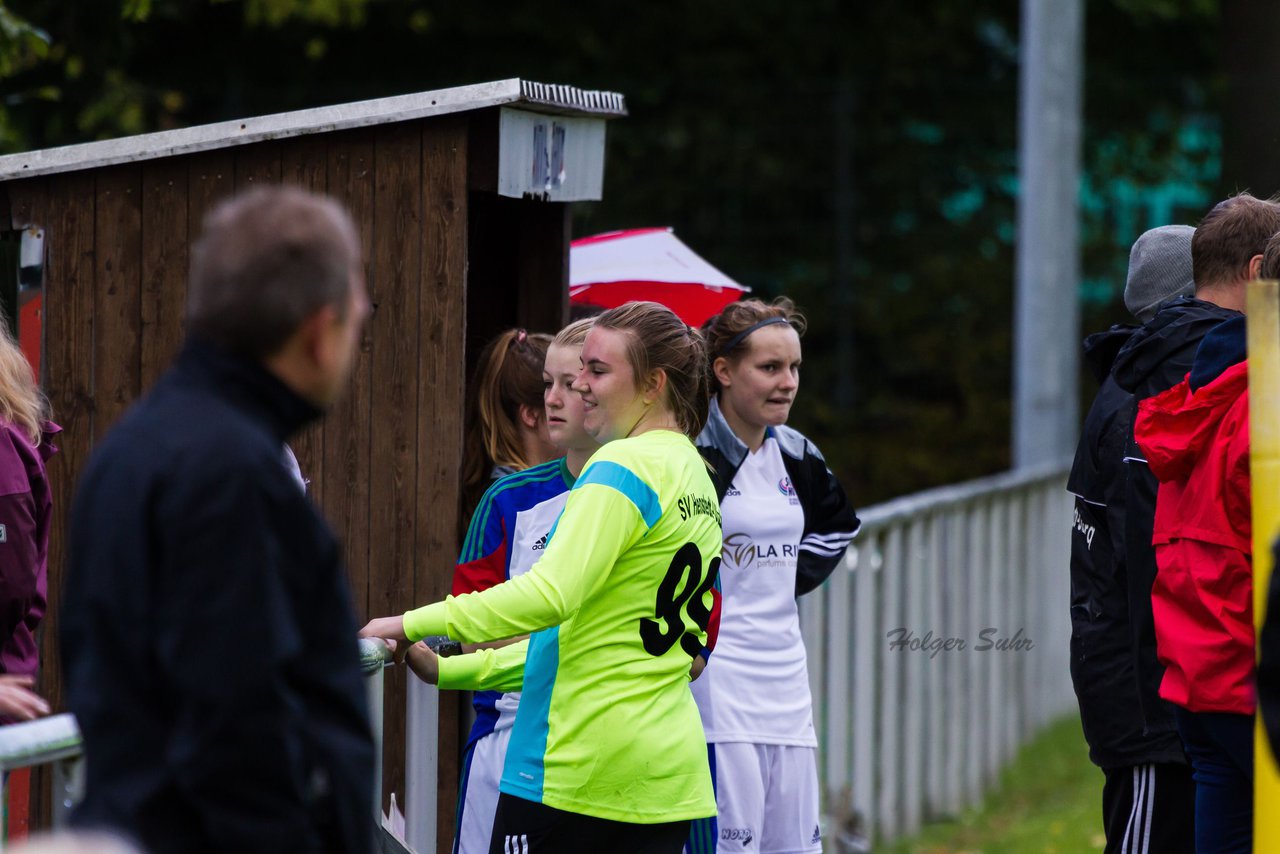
x=265, y=261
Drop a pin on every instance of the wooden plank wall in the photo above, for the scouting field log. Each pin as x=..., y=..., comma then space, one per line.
x=441, y=377
x=384, y=464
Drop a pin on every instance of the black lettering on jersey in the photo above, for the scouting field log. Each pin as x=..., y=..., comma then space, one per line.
x=698, y=505
x=667, y=626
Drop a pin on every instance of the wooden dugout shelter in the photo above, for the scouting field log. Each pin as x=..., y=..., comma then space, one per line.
x=461, y=197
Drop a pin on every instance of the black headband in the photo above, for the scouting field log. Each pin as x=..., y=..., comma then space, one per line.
x=741, y=336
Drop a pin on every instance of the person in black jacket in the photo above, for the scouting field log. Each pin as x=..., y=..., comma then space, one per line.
x=1141, y=768
x=207, y=634
x=1226, y=253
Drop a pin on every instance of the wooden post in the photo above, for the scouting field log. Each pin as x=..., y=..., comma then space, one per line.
x=441, y=381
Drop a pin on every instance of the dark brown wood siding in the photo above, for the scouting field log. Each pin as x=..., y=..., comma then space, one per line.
x=442, y=379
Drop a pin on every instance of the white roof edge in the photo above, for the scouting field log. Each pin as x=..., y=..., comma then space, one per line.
x=540, y=97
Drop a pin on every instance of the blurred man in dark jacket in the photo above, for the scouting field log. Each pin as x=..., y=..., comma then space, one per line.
x=1148, y=795
x=208, y=638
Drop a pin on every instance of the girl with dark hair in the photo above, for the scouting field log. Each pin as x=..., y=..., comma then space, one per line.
x=607, y=752
x=506, y=430
x=787, y=523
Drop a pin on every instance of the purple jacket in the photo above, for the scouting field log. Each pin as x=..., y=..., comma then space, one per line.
x=25, y=510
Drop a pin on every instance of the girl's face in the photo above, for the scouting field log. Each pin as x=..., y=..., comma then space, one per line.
x=612, y=402
x=759, y=387
x=564, y=405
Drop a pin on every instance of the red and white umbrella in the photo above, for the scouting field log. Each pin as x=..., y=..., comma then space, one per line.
x=648, y=264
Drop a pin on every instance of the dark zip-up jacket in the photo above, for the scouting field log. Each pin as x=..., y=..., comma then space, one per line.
x=1102, y=668
x=207, y=633
x=1156, y=358
x=829, y=521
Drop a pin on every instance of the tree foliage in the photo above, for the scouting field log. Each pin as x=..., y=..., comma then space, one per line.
x=860, y=157
x=21, y=44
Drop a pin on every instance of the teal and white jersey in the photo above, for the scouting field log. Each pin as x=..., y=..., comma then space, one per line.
x=619, y=605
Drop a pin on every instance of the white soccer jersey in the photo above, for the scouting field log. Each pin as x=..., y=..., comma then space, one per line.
x=528, y=541
x=507, y=536
x=756, y=685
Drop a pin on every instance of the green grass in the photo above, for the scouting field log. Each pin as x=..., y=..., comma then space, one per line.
x=1049, y=801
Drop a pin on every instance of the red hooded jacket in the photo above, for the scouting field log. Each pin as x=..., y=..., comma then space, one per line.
x=1197, y=445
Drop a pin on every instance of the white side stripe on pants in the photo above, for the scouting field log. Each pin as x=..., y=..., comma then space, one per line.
x=516, y=844
x=1151, y=801
x=1137, y=834
x=1133, y=811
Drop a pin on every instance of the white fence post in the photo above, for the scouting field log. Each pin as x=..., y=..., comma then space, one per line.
x=838, y=682
x=867, y=644
x=422, y=760
x=915, y=593
x=955, y=572
x=890, y=707
x=934, y=737
x=373, y=663
x=997, y=573
x=975, y=708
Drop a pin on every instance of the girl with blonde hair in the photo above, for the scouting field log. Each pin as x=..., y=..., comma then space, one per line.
x=607, y=752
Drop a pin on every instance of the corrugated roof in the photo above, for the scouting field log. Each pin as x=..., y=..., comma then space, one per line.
x=539, y=97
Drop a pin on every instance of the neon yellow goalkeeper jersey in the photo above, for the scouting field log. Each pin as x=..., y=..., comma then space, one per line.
x=619, y=605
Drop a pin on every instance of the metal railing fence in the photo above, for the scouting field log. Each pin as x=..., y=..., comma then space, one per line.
x=418, y=803
x=939, y=647
x=53, y=740
x=56, y=740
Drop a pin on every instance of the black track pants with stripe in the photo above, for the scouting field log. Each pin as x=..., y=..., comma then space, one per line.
x=1149, y=809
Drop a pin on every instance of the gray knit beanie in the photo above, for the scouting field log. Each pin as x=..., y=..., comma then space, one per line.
x=1159, y=269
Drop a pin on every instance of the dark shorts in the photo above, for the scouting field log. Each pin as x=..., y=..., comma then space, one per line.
x=525, y=827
